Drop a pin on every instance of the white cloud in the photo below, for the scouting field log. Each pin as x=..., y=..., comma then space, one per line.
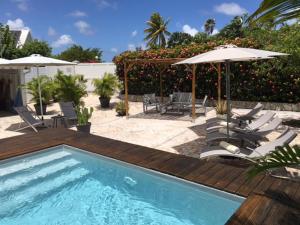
x=51, y=31
x=215, y=31
x=131, y=47
x=106, y=4
x=83, y=27
x=16, y=24
x=134, y=33
x=230, y=9
x=114, y=50
x=63, y=40
x=22, y=4
x=78, y=13
x=189, y=30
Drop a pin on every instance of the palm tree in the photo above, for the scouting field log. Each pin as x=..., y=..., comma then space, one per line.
x=209, y=26
x=281, y=157
x=277, y=11
x=157, y=31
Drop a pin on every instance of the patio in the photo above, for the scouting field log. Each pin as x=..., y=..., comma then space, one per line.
x=170, y=133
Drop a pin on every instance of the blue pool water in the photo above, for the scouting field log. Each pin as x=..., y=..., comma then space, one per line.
x=63, y=185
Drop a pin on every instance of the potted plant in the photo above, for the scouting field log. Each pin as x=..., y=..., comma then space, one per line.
x=46, y=85
x=105, y=88
x=121, y=108
x=221, y=109
x=83, y=116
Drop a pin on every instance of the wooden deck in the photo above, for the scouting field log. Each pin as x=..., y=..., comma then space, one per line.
x=269, y=200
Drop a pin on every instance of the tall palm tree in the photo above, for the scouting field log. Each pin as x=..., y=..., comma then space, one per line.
x=156, y=32
x=277, y=11
x=209, y=26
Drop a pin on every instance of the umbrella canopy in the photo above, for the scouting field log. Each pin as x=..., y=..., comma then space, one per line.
x=230, y=53
x=37, y=60
x=227, y=54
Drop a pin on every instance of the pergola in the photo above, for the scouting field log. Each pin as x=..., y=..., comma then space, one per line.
x=164, y=64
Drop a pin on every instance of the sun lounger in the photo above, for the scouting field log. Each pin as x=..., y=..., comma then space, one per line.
x=227, y=149
x=236, y=118
x=68, y=110
x=150, y=100
x=29, y=117
x=257, y=123
x=250, y=136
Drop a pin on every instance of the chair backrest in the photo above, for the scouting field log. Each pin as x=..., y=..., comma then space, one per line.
x=204, y=100
x=263, y=150
x=262, y=120
x=255, y=110
x=271, y=126
x=149, y=98
x=26, y=115
x=176, y=96
x=185, y=97
x=68, y=109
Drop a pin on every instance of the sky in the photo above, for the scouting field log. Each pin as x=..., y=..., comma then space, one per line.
x=113, y=25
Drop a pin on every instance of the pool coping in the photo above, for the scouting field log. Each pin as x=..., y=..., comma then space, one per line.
x=268, y=200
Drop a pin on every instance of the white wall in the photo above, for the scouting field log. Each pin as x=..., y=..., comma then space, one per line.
x=89, y=70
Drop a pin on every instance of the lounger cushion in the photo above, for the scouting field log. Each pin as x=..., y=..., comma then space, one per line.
x=229, y=147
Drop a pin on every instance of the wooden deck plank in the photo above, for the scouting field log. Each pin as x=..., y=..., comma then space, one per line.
x=269, y=200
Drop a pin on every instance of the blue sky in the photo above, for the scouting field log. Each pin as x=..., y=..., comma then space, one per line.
x=113, y=25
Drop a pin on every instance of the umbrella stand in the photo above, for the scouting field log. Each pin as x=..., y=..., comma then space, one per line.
x=227, y=63
x=40, y=92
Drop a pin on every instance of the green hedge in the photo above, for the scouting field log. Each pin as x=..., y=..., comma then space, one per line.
x=276, y=80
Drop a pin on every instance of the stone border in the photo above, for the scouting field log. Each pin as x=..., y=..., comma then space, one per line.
x=295, y=107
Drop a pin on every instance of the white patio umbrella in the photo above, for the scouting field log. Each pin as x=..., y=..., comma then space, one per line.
x=37, y=61
x=226, y=54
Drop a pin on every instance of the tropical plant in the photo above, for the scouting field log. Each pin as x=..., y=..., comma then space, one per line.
x=221, y=107
x=106, y=86
x=157, y=32
x=84, y=115
x=7, y=43
x=179, y=38
x=200, y=37
x=121, y=108
x=276, y=12
x=78, y=53
x=69, y=87
x=209, y=26
x=46, y=85
x=285, y=156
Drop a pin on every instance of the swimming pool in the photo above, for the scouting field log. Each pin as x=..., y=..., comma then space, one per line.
x=64, y=185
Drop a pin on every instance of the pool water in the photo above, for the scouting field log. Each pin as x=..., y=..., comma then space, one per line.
x=64, y=185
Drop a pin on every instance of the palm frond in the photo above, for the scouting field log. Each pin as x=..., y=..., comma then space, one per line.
x=281, y=157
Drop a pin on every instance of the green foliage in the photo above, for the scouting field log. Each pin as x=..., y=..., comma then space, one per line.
x=221, y=107
x=84, y=115
x=7, y=43
x=78, y=53
x=233, y=30
x=35, y=47
x=276, y=80
x=121, y=108
x=201, y=37
x=179, y=38
x=276, y=12
x=156, y=32
x=282, y=157
x=69, y=87
x=46, y=89
x=209, y=26
x=106, y=86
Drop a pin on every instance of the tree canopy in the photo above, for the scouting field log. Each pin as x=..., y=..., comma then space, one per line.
x=78, y=53
x=179, y=38
x=35, y=47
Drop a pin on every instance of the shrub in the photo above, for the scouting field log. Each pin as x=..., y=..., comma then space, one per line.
x=106, y=86
x=69, y=87
x=84, y=114
x=275, y=80
x=121, y=108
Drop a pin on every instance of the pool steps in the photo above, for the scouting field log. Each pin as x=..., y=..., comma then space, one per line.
x=50, y=176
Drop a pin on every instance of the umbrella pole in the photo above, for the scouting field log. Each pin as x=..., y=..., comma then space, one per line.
x=40, y=92
x=228, y=95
